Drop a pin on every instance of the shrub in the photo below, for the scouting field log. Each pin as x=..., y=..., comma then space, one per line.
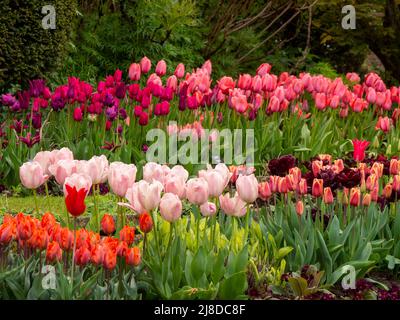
x=27, y=50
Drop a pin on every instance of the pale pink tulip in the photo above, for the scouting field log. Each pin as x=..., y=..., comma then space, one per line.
x=45, y=159
x=154, y=171
x=197, y=190
x=121, y=176
x=175, y=184
x=149, y=194
x=32, y=175
x=63, y=169
x=178, y=170
x=97, y=169
x=247, y=187
x=62, y=154
x=216, y=182
x=170, y=207
x=132, y=195
x=232, y=206
x=208, y=209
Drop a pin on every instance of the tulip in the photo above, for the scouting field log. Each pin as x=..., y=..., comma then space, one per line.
x=145, y=64
x=134, y=72
x=63, y=169
x=161, y=68
x=232, y=206
x=197, y=191
x=176, y=185
x=208, y=209
x=80, y=181
x=6, y=233
x=328, y=196
x=132, y=256
x=394, y=167
x=97, y=169
x=247, y=188
x=302, y=187
x=317, y=187
x=82, y=256
x=299, y=207
x=264, y=190
x=387, y=190
x=78, y=116
x=132, y=195
x=359, y=149
x=383, y=124
x=121, y=176
x=32, y=175
x=127, y=235
x=366, y=200
x=53, y=252
x=355, y=197
x=180, y=71
x=110, y=259
x=97, y=254
x=149, y=194
x=396, y=183
x=154, y=171
x=170, y=207
x=45, y=159
x=62, y=154
x=107, y=224
x=215, y=180
x=75, y=200
x=145, y=222
x=122, y=248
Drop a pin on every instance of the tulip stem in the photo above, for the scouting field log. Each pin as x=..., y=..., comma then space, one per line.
x=73, y=258
x=247, y=222
x=96, y=208
x=46, y=187
x=36, y=202
x=156, y=235
x=198, y=233
x=171, y=231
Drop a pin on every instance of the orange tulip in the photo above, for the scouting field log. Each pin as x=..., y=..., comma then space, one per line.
x=107, y=224
x=132, y=256
x=317, y=187
x=127, y=234
x=355, y=197
x=53, y=252
x=328, y=196
x=299, y=207
x=145, y=222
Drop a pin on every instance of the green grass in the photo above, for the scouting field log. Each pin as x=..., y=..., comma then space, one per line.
x=55, y=205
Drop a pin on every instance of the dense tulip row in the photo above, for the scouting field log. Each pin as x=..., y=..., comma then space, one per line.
x=34, y=236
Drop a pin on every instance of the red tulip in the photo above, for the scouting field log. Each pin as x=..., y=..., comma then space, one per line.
x=328, y=196
x=145, y=222
x=299, y=207
x=127, y=235
x=355, y=197
x=132, y=256
x=359, y=149
x=75, y=200
x=54, y=252
x=107, y=224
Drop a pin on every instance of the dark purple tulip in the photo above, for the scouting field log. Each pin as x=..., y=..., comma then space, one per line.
x=37, y=120
x=15, y=107
x=252, y=114
x=36, y=87
x=122, y=114
x=281, y=166
x=57, y=102
x=8, y=99
x=108, y=99
x=182, y=103
x=29, y=140
x=120, y=90
x=145, y=147
x=18, y=126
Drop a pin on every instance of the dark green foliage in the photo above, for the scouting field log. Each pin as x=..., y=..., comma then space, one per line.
x=27, y=50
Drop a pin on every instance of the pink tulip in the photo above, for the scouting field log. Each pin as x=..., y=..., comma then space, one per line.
x=149, y=194
x=154, y=171
x=175, y=184
x=216, y=182
x=197, y=191
x=132, y=195
x=134, y=72
x=263, y=69
x=247, y=187
x=244, y=81
x=45, y=159
x=121, y=176
x=383, y=124
x=208, y=209
x=207, y=66
x=161, y=68
x=145, y=64
x=178, y=170
x=172, y=82
x=232, y=206
x=170, y=207
x=62, y=154
x=63, y=169
x=180, y=71
x=32, y=175
x=78, y=180
x=97, y=169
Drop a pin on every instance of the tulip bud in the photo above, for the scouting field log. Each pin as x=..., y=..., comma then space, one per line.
x=355, y=197
x=366, y=200
x=387, y=191
x=328, y=196
x=299, y=207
